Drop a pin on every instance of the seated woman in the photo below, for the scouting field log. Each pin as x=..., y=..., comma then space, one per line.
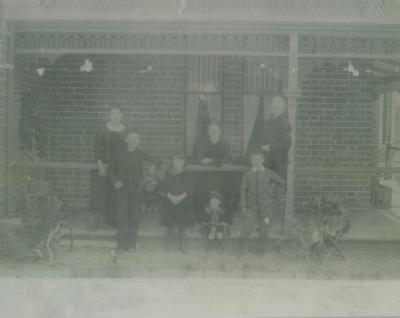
x=213, y=149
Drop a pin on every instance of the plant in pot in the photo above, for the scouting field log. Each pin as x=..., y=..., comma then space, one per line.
x=318, y=230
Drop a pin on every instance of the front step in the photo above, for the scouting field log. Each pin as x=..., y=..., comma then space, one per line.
x=151, y=243
x=149, y=228
x=394, y=188
x=150, y=235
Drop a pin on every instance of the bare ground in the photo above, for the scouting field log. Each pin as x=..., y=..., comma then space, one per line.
x=364, y=261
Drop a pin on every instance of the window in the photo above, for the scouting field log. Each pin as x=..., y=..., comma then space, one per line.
x=261, y=79
x=204, y=97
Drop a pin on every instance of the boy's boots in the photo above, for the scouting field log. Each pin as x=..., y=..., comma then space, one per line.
x=209, y=245
x=243, y=244
x=263, y=239
x=261, y=246
x=220, y=246
x=170, y=240
x=182, y=241
x=182, y=245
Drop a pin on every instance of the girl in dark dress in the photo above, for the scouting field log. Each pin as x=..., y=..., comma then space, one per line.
x=177, y=210
x=108, y=139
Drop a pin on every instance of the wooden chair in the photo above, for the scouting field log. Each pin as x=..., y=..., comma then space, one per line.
x=44, y=215
x=381, y=196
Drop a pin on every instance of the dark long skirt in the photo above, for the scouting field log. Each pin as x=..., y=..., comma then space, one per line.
x=103, y=198
x=179, y=215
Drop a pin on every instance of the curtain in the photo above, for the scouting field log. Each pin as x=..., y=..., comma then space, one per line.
x=203, y=98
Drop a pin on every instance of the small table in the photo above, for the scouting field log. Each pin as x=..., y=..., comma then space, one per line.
x=227, y=167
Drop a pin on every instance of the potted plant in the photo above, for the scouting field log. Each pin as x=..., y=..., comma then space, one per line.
x=318, y=231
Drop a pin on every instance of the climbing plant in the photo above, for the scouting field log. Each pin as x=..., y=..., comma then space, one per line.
x=30, y=126
x=318, y=231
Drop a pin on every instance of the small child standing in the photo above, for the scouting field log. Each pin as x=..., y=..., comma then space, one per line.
x=177, y=209
x=126, y=174
x=150, y=190
x=256, y=201
x=214, y=229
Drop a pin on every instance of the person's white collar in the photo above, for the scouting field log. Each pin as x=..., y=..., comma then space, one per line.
x=214, y=142
x=175, y=172
x=259, y=169
x=277, y=114
x=117, y=128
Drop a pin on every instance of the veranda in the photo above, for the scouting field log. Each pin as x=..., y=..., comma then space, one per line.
x=338, y=65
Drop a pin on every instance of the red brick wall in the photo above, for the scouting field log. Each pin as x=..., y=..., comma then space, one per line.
x=335, y=117
x=335, y=126
x=233, y=102
x=152, y=102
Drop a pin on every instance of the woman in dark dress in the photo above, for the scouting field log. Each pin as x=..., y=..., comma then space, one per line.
x=108, y=139
x=177, y=210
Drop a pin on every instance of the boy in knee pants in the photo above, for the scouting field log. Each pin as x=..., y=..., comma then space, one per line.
x=256, y=201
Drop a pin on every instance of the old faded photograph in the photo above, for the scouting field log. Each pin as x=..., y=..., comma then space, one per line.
x=214, y=140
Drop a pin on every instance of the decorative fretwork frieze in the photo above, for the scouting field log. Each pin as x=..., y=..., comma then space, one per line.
x=318, y=44
x=246, y=43
x=328, y=65
x=273, y=69
x=392, y=86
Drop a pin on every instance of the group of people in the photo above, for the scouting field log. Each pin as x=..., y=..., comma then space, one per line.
x=119, y=180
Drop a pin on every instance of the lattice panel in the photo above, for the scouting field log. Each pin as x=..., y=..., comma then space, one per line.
x=249, y=43
x=317, y=44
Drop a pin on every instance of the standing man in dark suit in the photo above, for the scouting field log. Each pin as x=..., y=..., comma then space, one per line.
x=126, y=174
x=277, y=141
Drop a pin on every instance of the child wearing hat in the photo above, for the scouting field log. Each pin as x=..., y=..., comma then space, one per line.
x=177, y=208
x=215, y=229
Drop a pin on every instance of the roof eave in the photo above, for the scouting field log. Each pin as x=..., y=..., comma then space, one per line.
x=201, y=26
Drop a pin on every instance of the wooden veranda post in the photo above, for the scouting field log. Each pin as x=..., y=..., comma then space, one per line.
x=11, y=123
x=292, y=94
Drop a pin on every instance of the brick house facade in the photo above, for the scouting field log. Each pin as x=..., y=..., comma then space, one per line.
x=335, y=116
x=334, y=110
x=336, y=126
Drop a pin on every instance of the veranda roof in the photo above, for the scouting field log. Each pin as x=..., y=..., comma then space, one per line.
x=383, y=12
